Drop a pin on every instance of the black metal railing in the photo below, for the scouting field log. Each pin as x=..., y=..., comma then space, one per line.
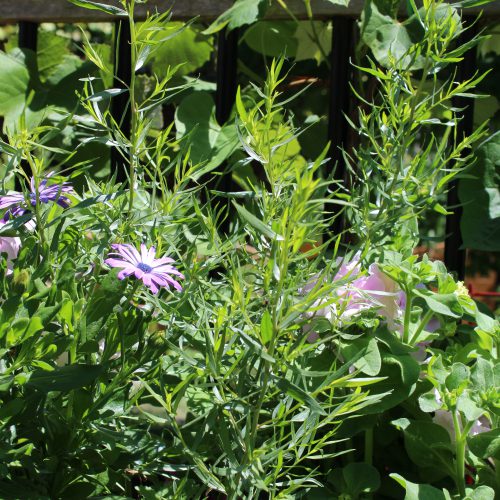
x=339, y=106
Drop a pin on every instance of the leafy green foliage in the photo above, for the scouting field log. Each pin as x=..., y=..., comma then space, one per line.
x=210, y=142
x=242, y=13
x=180, y=45
x=480, y=196
x=282, y=369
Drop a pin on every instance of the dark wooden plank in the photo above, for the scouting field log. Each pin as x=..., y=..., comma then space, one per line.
x=12, y=11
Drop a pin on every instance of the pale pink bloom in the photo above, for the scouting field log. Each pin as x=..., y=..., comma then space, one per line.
x=373, y=290
x=9, y=245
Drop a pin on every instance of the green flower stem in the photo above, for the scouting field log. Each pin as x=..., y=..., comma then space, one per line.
x=427, y=317
x=460, y=442
x=38, y=216
x=407, y=318
x=315, y=37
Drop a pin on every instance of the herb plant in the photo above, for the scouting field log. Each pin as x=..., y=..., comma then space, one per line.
x=163, y=339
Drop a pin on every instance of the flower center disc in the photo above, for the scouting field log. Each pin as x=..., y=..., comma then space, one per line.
x=144, y=267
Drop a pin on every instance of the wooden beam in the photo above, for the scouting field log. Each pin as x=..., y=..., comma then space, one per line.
x=13, y=11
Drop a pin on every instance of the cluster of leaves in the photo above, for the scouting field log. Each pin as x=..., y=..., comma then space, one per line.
x=240, y=386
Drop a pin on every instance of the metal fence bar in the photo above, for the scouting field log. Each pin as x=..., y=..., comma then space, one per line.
x=339, y=99
x=454, y=254
x=28, y=35
x=27, y=38
x=227, y=84
x=120, y=105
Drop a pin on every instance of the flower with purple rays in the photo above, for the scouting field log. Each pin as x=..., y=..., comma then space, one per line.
x=154, y=273
x=17, y=203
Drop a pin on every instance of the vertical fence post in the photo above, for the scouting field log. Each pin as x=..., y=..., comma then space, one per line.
x=27, y=38
x=339, y=101
x=454, y=254
x=28, y=35
x=227, y=84
x=120, y=104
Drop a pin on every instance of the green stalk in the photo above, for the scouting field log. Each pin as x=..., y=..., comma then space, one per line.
x=460, y=440
x=38, y=217
x=406, y=331
x=315, y=36
x=427, y=317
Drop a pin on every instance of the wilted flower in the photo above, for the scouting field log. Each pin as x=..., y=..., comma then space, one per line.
x=17, y=204
x=10, y=246
x=144, y=266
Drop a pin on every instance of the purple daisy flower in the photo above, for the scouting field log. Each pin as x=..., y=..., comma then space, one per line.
x=17, y=203
x=152, y=272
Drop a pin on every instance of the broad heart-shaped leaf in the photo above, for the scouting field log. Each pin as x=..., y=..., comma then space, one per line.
x=209, y=141
x=22, y=92
x=480, y=197
x=387, y=37
x=371, y=361
x=243, y=12
x=481, y=493
x=428, y=402
x=272, y=38
x=420, y=491
x=307, y=46
x=401, y=372
x=64, y=378
x=51, y=51
x=360, y=478
x=14, y=82
x=485, y=444
x=459, y=376
x=446, y=304
x=188, y=48
x=427, y=444
x=482, y=375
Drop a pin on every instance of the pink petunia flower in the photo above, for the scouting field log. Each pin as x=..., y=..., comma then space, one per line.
x=374, y=290
x=154, y=273
x=10, y=246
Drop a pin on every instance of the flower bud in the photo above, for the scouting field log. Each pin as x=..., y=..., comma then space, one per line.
x=20, y=280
